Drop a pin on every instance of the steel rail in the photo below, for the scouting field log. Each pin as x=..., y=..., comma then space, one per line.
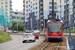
x=45, y=46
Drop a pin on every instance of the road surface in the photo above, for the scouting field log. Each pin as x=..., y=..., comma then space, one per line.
x=16, y=43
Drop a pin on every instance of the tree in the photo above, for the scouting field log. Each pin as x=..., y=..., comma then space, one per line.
x=20, y=26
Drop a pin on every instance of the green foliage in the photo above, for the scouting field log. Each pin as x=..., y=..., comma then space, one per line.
x=43, y=31
x=20, y=26
x=4, y=36
x=72, y=31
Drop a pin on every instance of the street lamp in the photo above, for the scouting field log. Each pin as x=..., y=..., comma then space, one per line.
x=2, y=25
x=17, y=26
x=31, y=23
x=37, y=24
x=70, y=28
x=44, y=25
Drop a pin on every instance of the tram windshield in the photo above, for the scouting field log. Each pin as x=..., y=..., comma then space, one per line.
x=54, y=27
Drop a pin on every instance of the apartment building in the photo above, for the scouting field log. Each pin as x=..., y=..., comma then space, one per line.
x=17, y=17
x=73, y=27
x=6, y=8
x=68, y=11
x=36, y=11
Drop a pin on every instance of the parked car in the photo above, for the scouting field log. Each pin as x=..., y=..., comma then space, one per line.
x=36, y=35
x=9, y=31
x=28, y=37
x=14, y=31
x=28, y=31
x=37, y=31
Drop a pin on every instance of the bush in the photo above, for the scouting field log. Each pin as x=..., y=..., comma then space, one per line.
x=20, y=26
x=4, y=36
x=72, y=31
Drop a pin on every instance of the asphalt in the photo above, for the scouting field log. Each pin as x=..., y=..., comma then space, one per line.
x=16, y=43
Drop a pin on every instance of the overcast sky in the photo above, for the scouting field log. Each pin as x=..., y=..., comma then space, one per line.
x=17, y=5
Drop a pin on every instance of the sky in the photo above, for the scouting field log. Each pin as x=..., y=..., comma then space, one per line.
x=17, y=5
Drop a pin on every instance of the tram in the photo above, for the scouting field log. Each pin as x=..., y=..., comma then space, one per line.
x=54, y=29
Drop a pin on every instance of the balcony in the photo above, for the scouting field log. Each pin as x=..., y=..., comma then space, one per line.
x=41, y=7
x=10, y=1
x=41, y=11
x=67, y=8
x=10, y=5
x=23, y=5
x=41, y=2
x=41, y=15
x=23, y=1
x=65, y=15
x=23, y=9
x=10, y=8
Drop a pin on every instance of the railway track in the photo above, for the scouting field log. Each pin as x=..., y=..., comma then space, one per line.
x=51, y=46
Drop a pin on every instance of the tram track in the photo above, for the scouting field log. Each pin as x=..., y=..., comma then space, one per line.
x=51, y=46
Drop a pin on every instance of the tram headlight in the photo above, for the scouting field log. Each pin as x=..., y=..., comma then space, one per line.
x=49, y=33
x=59, y=33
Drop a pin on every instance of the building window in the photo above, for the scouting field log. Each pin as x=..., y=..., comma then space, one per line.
x=1, y=3
x=55, y=3
x=6, y=16
x=2, y=10
x=2, y=6
x=50, y=3
x=2, y=13
x=6, y=23
x=36, y=16
x=12, y=17
x=6, y=6
x=17, y=17
x=50, y=7
x=55, y=7
x=36, y=8
x=26, y=10
x=74, y=3
x=6, y=19
x=36, y=12
x=74, y=21
x=6, y=12
x=74, y=9
x=27, y=6
x=74, y=15
x=29, y=0
x=26, y=2
x=31, y=6
x=36, y=3
x=6, y=9
x=6, y=2
x=31, y=10
x=26, y=14
x=33, y=3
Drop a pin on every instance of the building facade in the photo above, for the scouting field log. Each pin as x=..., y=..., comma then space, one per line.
x=17, y=17
x=68, y=13
x=36, y=11
x=73, y=27
x=6, y=9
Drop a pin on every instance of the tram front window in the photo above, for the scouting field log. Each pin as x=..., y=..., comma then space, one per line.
x=54, y=27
